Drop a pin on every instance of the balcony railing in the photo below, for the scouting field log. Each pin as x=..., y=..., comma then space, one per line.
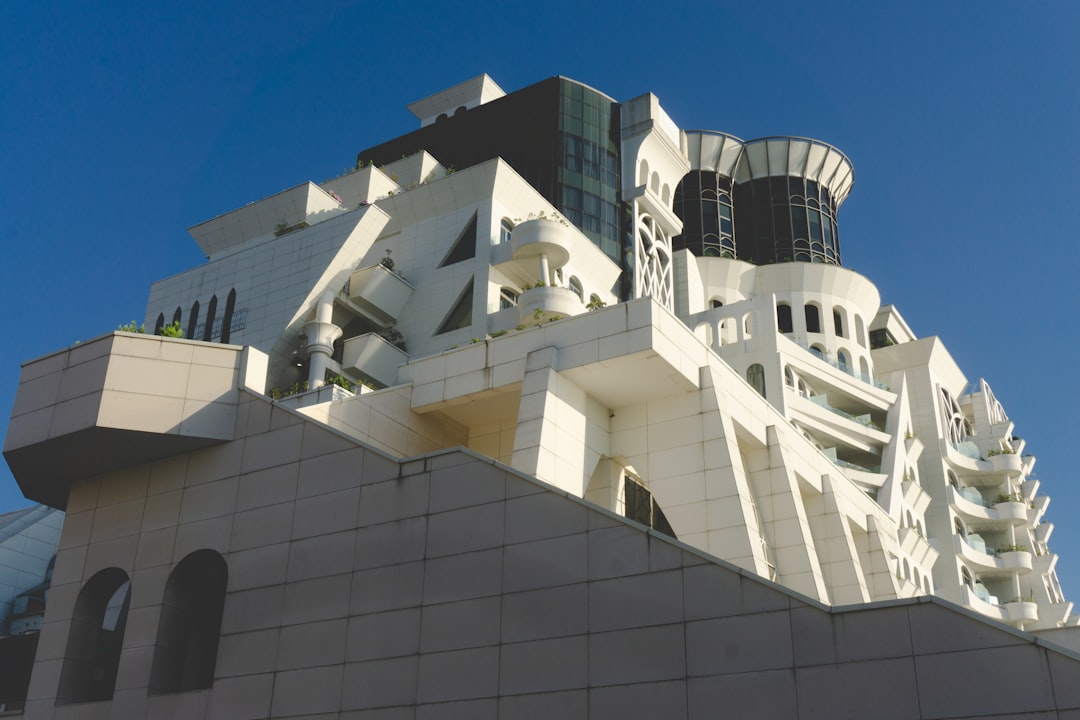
x=844, y=368
x=865, y=420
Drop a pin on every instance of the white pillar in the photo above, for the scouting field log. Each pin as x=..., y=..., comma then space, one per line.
x=321, y=334
x=545, y=272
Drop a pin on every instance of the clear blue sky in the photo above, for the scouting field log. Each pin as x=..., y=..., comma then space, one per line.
x=123, y=125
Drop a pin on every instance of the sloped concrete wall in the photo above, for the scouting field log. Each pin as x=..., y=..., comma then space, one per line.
x=449, y=586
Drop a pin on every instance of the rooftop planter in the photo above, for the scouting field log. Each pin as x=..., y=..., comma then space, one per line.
x=380, y=291
x=375, y=357
x=549, y=301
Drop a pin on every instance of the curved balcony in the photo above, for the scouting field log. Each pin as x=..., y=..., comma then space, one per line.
x=542, y=237
x=550, y=301
x=987, y=607
x=1008, y=463
x=1021, y=611
x=972, y=550
x=977, y=516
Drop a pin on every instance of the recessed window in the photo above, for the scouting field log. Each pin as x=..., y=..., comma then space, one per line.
x=838, y=323
x=755, y=375
x=190, y=624
x=460, y=316
x=211, y=316
x=506, y=229
x=508, y=298
x=464, y=247
x=813, y=318
x=640, y=506
x=226, y=322
x=575, y=287
x=95, y=638
x=193, y=320
x=783, y=318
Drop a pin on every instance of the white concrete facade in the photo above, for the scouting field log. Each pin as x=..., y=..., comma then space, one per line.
x=371, y=564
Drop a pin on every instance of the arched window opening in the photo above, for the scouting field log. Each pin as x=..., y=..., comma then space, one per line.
x=190, y=624
x=716, y=303
x=965, y=577
x=958, y=525
x=95, y=638
x=842, y=359
x=818, y=350
x=159, y=324
x=211, y=315
x=746, y=326
x=783, y=318
x=864, y=368
x=838, y=322
x=860, y=332
x=193, y=320
x=506, y=228
x=575, y=286
x=813, y=318
x=789, y=377
x=226, y=321
x=755, y=375
x=952, y=479
x=802, y=389
x=640, y=506
x=508, y=298
x=907, y=570
x=177, y=315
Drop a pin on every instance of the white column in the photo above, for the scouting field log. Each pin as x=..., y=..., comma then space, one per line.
x=321, y=334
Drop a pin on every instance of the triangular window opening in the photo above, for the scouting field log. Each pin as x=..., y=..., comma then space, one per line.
x=461, y=315
x=464, y=247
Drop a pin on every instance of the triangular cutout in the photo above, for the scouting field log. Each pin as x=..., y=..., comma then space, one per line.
x=464, y=247
x=461, y=314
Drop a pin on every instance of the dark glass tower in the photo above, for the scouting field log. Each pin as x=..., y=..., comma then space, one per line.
x=764, y=201
x=561, y=136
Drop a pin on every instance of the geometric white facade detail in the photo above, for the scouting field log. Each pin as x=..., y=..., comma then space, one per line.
x=777, y=423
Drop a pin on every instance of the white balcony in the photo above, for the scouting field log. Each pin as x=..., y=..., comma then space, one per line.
x=1021, y=611
x=1008, y=463
x=550, y=301
x=379, y=291
x=375, y=357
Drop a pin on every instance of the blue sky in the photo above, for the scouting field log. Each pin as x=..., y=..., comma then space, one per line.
x=123, y=125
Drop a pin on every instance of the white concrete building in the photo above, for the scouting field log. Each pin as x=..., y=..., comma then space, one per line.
x=838, y=518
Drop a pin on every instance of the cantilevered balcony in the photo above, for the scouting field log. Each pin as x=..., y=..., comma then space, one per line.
x=379, y=291
x=969, y=505
x=121, y=400
x=373, y=356
x=983, y=561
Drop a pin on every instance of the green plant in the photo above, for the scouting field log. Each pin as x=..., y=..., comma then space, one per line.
x=1010, y=548
x=172, y=330
x=499, y=333
x=386, y=261
x=595, y=303
x=909, y=435
x=1004, y=498
x=341, y=381
x=553, y=318
x=520, y=327
x=538, y=313
x=476, y=340
x=131, y=327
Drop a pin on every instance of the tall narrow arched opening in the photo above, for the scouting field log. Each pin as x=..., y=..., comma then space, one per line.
x=190, y=624
x=95, y=638
x=226, y=321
